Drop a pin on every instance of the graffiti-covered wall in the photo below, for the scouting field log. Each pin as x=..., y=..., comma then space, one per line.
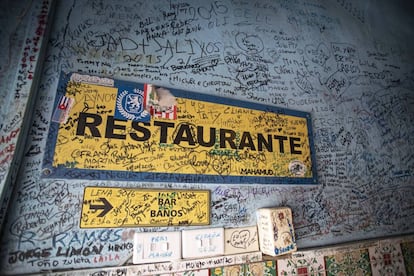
x=347, y=64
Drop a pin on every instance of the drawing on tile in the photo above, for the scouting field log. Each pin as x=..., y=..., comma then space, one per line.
x=231, y=270
x=301, y=265
x=354, y=262
x=387, y=259
x=265, y=268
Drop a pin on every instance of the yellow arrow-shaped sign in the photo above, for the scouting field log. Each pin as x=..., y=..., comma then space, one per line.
x=123, y=207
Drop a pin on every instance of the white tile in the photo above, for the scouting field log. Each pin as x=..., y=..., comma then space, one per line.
x=241, y=240
x=202, y=242
x=152, y=247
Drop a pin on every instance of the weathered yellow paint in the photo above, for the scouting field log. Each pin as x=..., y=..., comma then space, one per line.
x=239, y=147
x=124, y=207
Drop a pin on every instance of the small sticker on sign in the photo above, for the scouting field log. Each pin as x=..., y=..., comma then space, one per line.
x=297, y=168
x=61, y=113
x=160, y=102
x=130, y=105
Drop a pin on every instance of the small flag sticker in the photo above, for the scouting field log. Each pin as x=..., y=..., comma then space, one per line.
x=160, y=102
x=62, y=110
x=64, y=103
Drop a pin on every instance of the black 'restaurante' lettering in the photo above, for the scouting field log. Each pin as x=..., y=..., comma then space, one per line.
x=184, y=134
